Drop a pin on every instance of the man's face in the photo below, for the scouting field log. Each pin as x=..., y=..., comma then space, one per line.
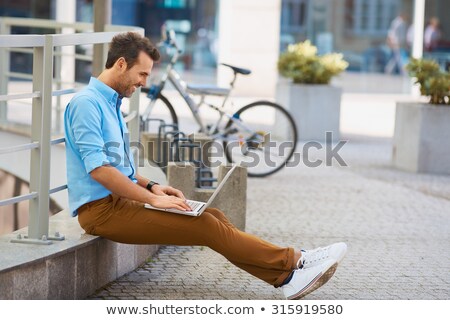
x=136, y=76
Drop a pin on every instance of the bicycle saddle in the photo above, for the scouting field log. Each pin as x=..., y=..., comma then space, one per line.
x=238, y=70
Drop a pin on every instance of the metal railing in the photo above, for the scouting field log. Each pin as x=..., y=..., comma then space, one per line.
x=7, y=24
x=44, y=48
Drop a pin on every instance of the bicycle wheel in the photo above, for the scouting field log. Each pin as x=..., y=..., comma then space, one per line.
x=261, y=136
x=162, y=114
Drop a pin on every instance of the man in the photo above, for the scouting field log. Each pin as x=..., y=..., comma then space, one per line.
x=397, y=42
x=109, y=197
x=432, y=35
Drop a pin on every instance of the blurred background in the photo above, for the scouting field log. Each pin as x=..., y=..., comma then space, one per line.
x=253, y=33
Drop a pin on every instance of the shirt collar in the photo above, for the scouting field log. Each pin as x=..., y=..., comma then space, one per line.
x=109, y=93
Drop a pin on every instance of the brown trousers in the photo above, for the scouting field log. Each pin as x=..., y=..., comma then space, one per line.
x=127, y=221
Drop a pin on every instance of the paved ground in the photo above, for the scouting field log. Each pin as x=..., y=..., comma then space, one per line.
x=396, y=224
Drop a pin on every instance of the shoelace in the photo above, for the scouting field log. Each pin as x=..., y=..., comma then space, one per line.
x=310, y=256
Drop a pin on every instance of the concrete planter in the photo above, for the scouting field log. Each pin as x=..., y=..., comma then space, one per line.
x=315, y=108
x=422, y=138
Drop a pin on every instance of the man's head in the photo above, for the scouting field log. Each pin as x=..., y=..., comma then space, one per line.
x=130, y=60
x=129, y=45
x=434, y=22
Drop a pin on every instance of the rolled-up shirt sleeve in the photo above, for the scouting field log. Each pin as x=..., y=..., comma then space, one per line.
x=85, y=117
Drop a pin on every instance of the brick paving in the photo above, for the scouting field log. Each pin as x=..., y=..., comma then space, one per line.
x=396, y=224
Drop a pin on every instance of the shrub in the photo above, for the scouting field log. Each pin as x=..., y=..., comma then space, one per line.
x=301, y=63
x=433, y=82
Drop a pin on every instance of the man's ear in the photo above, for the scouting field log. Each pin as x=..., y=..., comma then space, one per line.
x=121, y=64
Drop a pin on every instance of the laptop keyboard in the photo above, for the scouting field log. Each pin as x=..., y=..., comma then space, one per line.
x=194, y=204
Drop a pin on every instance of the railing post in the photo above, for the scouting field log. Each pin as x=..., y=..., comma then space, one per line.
x=4, y=70
x=58, y=85
x=134, y=123
x=40, y=132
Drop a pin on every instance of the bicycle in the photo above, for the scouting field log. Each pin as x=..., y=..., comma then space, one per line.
x=261, y=135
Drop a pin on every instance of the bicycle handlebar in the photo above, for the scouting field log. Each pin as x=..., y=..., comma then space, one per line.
x=168, y=40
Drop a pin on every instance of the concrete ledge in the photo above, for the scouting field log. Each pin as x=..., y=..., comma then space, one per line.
x=69, y=269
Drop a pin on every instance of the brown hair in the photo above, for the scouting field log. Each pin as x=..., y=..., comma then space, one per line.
x=129, y=45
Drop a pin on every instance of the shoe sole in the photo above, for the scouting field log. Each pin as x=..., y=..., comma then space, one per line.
x=316, y=283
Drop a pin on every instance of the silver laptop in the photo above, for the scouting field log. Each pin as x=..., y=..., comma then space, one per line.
x=197, y=206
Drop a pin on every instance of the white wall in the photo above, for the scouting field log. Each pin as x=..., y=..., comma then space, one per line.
x=249, y=33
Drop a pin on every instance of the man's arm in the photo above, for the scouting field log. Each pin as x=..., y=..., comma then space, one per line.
x=142, y=181
x=113, y=180
x=158, y=189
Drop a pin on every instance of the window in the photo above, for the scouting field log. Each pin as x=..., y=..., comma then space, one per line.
x=370, y=17
x=293, y=16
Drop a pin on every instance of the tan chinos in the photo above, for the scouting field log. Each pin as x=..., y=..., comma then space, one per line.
x=127, y=221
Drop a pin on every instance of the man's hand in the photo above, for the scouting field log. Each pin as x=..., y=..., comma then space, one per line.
x=169, y=202
x=164, y=196
x=167, y=191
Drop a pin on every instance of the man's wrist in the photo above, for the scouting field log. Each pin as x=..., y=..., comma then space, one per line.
x=150, y=184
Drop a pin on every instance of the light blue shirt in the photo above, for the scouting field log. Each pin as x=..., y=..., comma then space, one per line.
x=96, y=135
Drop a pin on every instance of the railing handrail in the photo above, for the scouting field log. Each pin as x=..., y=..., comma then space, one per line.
x=19, y=96
x=17, y=148
x=53, y=24
x=41, y=95
x=23, y=197
x=21, y=41
x=59, y=40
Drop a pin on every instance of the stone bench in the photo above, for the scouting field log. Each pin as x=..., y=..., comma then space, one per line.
x=70, y=269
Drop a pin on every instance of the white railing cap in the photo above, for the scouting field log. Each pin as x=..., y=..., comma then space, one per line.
x=21, y=40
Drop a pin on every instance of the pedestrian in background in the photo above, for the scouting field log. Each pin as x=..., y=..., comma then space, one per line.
x=432, y=35
x=397, y=42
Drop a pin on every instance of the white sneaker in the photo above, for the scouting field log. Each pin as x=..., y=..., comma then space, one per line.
x=305, y=281
x=311, y=258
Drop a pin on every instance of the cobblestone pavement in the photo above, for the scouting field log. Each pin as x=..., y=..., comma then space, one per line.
x=396, y=224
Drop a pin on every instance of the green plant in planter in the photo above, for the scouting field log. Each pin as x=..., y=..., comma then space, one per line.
x=433, y=82
x=301, y=63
